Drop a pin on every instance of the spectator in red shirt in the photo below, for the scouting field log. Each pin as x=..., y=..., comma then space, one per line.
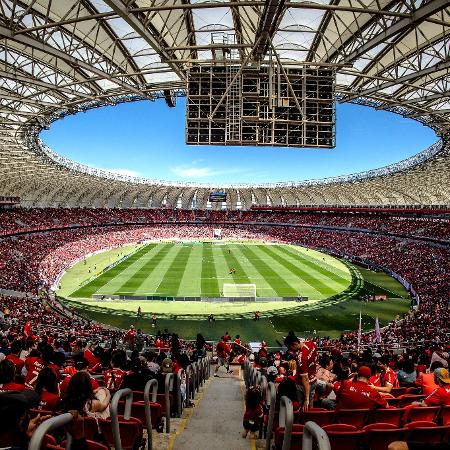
x=16, y=348
x=223, y=354
x=93, y=358
x=113, y=377
x=441, y=395
x=48, y=390
x=253, y=411
x=81, y=365
x=130, y=337
x=387, y=378
x=33, y=365
x=306, y=372
x=7, y=377
x=359, y=394
x=426, y=381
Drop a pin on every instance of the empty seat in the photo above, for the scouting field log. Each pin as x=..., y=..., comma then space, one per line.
x=397, y=391
x=356, y=417
x=90, y=428
x=131, y=432
x=138, y=396
x=445, y=415
x=387, y=415
x=344, y=436
x=321, y=417
x=393, y=402
x=138, y=411
x=408, y=399
x=92, y=445
x=426, y=432
x=296, y=437
x=380, y=435
x=421, y=413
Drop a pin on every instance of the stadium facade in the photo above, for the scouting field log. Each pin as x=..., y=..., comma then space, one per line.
x=60, y=58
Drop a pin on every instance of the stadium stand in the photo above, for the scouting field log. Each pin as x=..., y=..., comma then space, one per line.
x=61, y=373
x=32, y=260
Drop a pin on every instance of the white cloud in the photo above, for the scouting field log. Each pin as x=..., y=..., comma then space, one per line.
x=126, y=172
x=192, y=172
x=185, y=171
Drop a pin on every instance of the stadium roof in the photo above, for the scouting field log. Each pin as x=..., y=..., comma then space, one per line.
x=60, y=57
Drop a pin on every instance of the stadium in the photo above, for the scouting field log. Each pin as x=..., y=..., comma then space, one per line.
x=321, y=305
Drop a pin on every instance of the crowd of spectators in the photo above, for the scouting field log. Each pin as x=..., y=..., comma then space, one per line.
x=53, y=361
x=22, y=220
x=29, y=262
x=32, y=261
x=358, y=389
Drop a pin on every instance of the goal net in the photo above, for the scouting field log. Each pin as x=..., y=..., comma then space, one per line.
x=239, y=290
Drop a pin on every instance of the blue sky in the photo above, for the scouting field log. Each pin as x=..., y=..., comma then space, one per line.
x=147, y=139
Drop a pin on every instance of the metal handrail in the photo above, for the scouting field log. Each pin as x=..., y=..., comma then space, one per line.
x=208, y=367
x=194, y=378
x=189, y=375
x=201, y=371
x=49, y=425
x=286, y=421
x=179, y=395
x=153, y=385
x=196, y=365
x=246, y=372
x=312, y=431
x=114, y=409
x=263, y=383
x=168, y=383
x=271, y=400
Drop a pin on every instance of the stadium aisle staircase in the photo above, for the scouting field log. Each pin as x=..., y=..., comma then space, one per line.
x=216, y=422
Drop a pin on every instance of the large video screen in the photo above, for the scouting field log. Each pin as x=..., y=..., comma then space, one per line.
x=217, y=197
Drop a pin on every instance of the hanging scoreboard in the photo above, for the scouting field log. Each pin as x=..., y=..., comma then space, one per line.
x=268, y=106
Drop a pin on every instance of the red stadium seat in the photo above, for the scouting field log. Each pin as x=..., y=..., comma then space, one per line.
x=344, y=436
x=421, y=413
x=356, y=417
x=138, y=396
x=427, y=432
x=138, y=411
x=161, y=399
x=92, y=445
x=90, y=428
x=49, y=442
x=393, y=402
x=42, y=412
x=408, y=399
x=131, y=432
x=397, y=391
x=380, y=435
x=444, y=415
x=387, y=415
x=420, y=424
x=296, y=437
x=321, y=417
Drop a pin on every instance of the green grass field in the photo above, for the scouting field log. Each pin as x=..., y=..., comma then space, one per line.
x=196, y=269
x=200, y=269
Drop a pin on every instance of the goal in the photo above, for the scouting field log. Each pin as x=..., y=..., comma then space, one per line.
x=239, y=290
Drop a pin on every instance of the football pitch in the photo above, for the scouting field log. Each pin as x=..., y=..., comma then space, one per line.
x=199, y=269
